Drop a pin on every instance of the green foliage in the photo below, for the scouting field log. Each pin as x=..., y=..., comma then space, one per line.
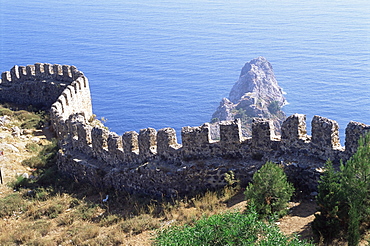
x=226, y=229
x=33, y=147
x=214, y=120
x=241, y=113
x=30, y=120
x=356, y=187
x=13, y=203
x=274, y=107
x=50, y=176
x=87, y=212
x=231, y=179
x=327, y=223
x=344, y=197
x=5, y=111
x=270, y=190
x=44, y=158
x=109, y=220
x=19, y=182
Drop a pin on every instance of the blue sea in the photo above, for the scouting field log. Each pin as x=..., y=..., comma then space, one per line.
x=168, y=63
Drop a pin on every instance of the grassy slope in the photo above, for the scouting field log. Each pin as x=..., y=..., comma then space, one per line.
x=48, y=209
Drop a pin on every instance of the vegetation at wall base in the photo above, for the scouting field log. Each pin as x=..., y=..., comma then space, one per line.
x=270, y=190
x=47, y=208
x=26, y=119
x=344, y=198
x=45, y=157
x=327, y=224
x=232, y=228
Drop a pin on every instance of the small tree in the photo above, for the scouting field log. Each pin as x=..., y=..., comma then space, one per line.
x=327, y=223
x=344, y=197
x=270, y=190
x=356, y=186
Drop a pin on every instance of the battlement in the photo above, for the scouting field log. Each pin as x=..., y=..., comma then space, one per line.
x=45, y=85
x=133, y=160
x=41, y=71
x=149, y=144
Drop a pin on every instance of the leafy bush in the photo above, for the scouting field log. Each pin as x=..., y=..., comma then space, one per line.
x=270, y=191
x=226, y=229
x=109, y=220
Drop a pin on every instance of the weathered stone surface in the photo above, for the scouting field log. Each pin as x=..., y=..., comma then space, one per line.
x=147, y=142
x=354, y=131
x=230, y=132
x=154, y=163
x=325, y=132
x=16, y=131
x=255, y=94
x=167, y=143
x=294, y=128
x=130, y=142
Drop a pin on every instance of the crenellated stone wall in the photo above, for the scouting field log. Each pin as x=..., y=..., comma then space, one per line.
x=153, y=162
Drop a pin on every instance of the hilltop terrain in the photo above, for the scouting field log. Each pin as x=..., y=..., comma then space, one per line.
x=76, y=214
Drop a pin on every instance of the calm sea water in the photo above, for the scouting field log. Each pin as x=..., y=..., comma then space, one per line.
x=168, y=63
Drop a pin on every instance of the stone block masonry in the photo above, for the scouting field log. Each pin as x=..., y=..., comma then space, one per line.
x=152, y=161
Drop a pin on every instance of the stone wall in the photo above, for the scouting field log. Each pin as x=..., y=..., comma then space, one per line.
x=153, y=162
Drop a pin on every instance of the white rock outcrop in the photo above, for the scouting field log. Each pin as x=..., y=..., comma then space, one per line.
x=255, y=94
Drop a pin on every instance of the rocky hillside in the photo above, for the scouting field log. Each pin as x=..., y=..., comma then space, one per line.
x=255, y=94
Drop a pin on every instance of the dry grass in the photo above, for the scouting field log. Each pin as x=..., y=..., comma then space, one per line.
x=48, y=210
x=64, y=219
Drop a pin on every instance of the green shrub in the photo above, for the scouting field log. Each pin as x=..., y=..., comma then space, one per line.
x=5, y=111
x=274, y=107
x=226, y=229
x=33, y=147
x=50, y=176
x=270, y=191
x=44, y=158
x=29, y=120
x=327, y=224
x=110, y=220
x=19, y=182
x=356, y=188
x=54, y=210
x=13, y=203
x=42, y=194
x=214, y=120
x=344, y=197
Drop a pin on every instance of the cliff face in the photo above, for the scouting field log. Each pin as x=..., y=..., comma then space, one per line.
x=255, y=94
